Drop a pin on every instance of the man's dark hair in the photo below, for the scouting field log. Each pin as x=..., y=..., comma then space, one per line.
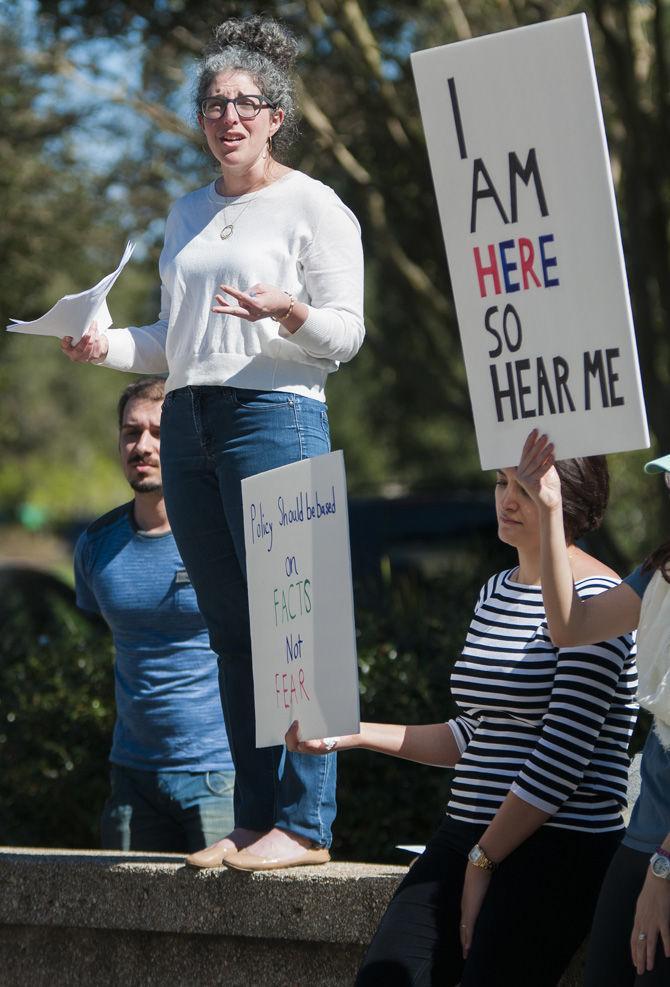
x=146, y=388
x=585, y=488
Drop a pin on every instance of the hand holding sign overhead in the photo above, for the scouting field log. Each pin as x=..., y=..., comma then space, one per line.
x=73, y=314
x=537, y=474
x=519, y=160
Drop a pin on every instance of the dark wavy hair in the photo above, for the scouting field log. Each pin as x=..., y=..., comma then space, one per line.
x=585, y=488
x=267, y=51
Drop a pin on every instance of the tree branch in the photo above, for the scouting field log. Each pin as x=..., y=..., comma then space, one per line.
x=458, y=19
x=162, y=117
x=413, y=274
x=350, y=14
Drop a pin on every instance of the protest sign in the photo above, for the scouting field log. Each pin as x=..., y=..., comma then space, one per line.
x=519, y=160
x=303, y=639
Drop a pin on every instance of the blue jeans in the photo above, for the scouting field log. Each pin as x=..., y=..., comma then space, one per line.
x=166, y=811
x=211, y=439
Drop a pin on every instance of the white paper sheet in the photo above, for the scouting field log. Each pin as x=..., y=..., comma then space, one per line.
x=73, y=314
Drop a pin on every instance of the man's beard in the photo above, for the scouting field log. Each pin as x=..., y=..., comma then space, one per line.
x=146, y=486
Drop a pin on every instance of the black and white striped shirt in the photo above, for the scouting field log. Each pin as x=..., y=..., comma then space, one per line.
x=551, y=725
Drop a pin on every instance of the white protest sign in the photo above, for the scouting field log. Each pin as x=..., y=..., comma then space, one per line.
x=519, y=160
x=303, y=638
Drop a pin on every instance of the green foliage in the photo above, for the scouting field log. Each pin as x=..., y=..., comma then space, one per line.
x=401, y=410
x=56, y=709
x=57, y=429
x=56, y=717
x=57, y=712
x=74, y=183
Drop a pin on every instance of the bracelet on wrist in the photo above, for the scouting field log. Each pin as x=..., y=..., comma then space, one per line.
x=660, y=864
x=291, y=303
x=479, y=858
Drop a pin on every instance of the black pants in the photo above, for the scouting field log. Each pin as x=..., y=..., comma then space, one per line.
x=535, y=915
x=609, y=962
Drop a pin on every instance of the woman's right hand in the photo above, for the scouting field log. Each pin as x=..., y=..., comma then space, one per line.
x=91, y=348
x=652, y=922
x=324, y=746
x=537, y=474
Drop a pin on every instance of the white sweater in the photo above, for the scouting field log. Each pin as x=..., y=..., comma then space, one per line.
x=295, y=234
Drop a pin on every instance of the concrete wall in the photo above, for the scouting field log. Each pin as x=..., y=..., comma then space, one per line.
x=100, y=918
x=103, y=919
x=82, y=917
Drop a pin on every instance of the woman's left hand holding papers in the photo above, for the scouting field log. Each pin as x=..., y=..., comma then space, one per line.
x=91, y=348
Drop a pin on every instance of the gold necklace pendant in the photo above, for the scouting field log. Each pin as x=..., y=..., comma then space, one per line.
x=229, y=228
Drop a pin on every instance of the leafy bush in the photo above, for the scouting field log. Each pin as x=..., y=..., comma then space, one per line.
x=407, y=646
x=57, y=709
x=56, y=714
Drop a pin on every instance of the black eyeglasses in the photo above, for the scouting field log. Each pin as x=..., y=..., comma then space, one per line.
x=246, y=107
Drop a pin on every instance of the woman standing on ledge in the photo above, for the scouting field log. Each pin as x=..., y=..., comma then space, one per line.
x=505, y=891
x=262, y=298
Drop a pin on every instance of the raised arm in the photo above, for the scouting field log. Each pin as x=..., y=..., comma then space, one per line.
x=571, y=621
x=431, y=743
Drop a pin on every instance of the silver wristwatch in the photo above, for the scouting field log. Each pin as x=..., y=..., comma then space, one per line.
x=660, y=864
x=479, y=858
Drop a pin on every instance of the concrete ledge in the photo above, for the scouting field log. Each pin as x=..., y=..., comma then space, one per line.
x=91, y=917
x=78, y=917
x=333, y=903
x=104, y=918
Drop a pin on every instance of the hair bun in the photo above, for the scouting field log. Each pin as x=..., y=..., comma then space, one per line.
x=263, y=35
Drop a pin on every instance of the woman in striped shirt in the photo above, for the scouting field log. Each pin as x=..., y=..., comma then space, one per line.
x=505, y=891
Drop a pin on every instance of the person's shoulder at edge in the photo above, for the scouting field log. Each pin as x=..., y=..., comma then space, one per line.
x=194, y=196
x=315, y=194
x=586, y=567
x=188, y=204
x=639, y=578
x=93, y=545
x=90, y=544
x=118, y=515
x=492, y=584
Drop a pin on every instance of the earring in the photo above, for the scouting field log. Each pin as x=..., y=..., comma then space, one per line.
x=270, y=146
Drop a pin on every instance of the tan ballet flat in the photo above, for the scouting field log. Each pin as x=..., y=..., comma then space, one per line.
x=304, y=857
x=212, y=856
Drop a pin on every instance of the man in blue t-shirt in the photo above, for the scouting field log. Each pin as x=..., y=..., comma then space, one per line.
x=172, y=774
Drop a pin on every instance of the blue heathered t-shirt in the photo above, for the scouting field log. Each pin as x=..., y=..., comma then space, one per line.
x=650, y=819
x=166, y=680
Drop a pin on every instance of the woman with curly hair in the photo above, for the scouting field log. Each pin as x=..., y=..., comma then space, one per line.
x=262, y=298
